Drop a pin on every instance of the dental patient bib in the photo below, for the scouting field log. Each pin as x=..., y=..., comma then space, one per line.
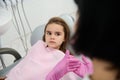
x=38, y=62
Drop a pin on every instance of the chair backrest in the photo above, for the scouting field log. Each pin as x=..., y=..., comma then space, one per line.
x=69, y=20
x=37, y=34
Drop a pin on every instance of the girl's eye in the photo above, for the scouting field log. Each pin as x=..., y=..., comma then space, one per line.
x=48, y=33
x=57, y=34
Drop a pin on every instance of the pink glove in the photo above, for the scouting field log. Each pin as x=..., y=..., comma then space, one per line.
x=67, y=64
x=85, y=67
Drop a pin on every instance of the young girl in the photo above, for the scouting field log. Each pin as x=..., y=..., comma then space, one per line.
x=70, y=63
x=44, y=55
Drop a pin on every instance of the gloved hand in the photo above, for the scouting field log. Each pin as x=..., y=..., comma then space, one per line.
x=85, y=67
x=67, y=64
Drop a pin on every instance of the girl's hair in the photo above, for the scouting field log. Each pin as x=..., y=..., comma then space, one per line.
x=60, y=21
x=97, y=34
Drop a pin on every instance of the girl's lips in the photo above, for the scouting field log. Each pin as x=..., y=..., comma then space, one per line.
x=52, y=42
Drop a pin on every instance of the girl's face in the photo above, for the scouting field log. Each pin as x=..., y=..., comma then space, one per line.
x=54, y=35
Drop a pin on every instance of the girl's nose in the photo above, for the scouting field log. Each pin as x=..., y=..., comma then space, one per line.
x=52, y=36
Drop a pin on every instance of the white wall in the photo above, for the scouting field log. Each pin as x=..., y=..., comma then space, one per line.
x=38, y=12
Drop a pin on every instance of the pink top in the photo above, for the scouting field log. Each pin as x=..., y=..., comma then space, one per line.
x=39, y=61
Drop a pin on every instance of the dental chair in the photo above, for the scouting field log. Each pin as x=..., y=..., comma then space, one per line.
x=36, y=35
